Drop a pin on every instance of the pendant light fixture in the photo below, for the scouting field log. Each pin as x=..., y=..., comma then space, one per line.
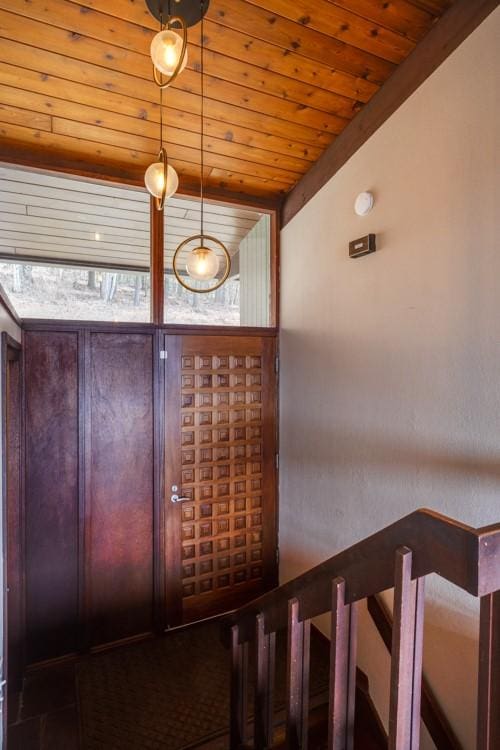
x=169, y=56
x=205, y=258
x=161, y=179
x=169, y=47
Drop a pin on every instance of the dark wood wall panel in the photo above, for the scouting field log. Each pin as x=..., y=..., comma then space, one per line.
x=51, y=367
x=98, y=542
x=119, y=505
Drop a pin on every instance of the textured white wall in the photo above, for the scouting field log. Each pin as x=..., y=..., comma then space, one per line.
x=390, y=384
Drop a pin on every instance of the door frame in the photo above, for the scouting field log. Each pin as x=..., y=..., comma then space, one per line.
x=171, y=342
x=11, y=354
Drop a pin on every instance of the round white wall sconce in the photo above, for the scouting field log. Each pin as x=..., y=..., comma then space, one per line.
x=364, y=203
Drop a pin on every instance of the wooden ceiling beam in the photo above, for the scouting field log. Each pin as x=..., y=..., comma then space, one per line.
x=189, y=153
x=445, y=36
x=436, y=7
x=397, y=15
x=133, y=149
x=70, y=163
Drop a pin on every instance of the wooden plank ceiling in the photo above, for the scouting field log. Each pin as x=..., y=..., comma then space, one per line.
x=57, y=218
x=283, y=79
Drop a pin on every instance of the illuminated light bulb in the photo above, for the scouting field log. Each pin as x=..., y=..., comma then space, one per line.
x=97, y=237
x=166, y=50
x=202, y=264
x=154, y=180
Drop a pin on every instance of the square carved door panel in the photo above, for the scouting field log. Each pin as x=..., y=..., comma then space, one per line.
x=220, y=448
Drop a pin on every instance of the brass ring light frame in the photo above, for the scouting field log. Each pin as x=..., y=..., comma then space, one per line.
x=158, y=76
x=202, y=237
x=162, y=157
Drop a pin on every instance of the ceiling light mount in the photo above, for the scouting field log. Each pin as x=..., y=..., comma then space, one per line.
x=190, y=10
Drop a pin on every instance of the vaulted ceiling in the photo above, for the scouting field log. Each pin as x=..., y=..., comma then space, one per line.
x=283, y=79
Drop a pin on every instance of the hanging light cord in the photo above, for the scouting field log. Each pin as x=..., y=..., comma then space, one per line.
x=202, y=121
x=161, y=118
x=161, y=100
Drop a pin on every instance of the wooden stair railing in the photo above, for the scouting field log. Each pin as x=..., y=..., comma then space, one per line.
x=400, y=557
x=433, y=717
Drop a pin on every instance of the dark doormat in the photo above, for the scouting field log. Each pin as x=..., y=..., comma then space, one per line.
x=169, y=693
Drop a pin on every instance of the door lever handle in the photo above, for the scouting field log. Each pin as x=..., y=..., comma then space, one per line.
x=177, y=499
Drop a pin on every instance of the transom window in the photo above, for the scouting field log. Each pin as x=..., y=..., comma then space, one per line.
x=73, y=249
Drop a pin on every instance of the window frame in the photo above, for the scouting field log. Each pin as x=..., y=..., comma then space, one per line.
x=272, y=207
x=157, y=267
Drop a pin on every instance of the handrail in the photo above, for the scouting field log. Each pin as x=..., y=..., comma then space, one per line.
x=433, y=717
x=467, y=557
x=400, y=557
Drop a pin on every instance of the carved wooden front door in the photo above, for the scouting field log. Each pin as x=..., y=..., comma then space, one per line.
x=220, y=475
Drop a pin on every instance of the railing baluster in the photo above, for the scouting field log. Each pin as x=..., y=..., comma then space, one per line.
x=488, y=713
x=239, y=689
x=406, y=664
x=342, y=670
x=264, y=685
x=297, y=679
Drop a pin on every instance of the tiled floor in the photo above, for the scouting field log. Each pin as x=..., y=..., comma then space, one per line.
x=125, y=700
x=44, y=716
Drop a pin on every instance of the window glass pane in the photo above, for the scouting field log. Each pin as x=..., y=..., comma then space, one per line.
x=73, y=249
x=68, y=293
x=245, y=298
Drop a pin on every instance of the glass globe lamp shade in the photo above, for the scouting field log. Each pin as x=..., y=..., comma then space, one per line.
x=202, y=264
x=155, y=180
x=166, y=50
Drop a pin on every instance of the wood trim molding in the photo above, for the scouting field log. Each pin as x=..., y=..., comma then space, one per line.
x=39, y=324
x=13, y=527
x=157, y=264
x=14, y=154
x=448, y=33
x=275, y=269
